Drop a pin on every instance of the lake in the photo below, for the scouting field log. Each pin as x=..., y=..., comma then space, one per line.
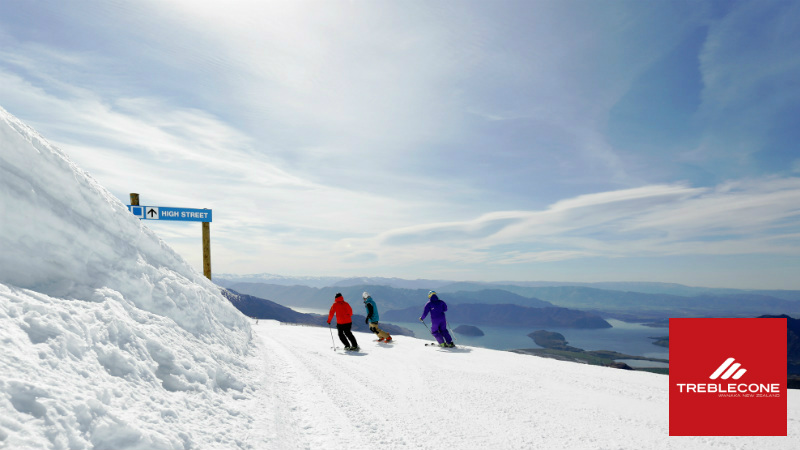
x=628, y=338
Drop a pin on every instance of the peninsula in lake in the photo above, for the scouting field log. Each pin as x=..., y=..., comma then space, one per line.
x=469, y=330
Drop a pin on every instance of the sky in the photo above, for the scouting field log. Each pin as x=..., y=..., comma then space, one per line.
x=463, y=140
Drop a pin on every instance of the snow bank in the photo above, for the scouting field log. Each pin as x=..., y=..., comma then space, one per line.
x=66, y=236
x=109, y=337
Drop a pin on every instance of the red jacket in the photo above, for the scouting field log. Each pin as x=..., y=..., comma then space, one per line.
x=343, y=311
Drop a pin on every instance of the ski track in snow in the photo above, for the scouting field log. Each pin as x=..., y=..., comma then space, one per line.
x=408, y=396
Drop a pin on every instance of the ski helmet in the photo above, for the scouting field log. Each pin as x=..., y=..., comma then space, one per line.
x=365, y=295
x=431, y=294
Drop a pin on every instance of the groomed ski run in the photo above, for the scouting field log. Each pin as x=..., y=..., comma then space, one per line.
x=404, y=397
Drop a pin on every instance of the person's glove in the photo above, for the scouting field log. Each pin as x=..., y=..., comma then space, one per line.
x=366, y=320
x=329, y=322
x=420, y=319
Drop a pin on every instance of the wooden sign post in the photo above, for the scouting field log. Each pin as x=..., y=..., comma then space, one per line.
x=207, y=249
x=179, y=214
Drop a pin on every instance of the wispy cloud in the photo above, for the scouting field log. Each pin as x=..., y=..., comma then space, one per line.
x=143, y=144
x=749, y=63
x=754, y=216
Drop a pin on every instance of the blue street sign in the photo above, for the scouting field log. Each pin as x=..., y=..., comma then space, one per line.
x=165, y=213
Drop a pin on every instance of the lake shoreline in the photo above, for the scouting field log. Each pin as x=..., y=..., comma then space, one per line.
x=596, y=358
x=625, y=338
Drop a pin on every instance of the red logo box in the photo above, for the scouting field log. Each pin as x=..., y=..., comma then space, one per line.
x=727, y=377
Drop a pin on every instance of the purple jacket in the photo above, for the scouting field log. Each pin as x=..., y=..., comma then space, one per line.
x=436, y=307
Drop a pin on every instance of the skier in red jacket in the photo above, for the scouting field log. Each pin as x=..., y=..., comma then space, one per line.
x=344, y=322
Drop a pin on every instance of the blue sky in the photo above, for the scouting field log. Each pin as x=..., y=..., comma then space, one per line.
x=465, y=140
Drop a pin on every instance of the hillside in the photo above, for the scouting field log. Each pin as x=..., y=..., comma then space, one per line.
x=259, y=308
x=792, y=343
x=507, y=315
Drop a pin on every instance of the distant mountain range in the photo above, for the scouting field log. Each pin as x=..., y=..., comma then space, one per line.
x=454, y=286
x=224, y=279
x=643, y=306
x=631, y=286
x=624, y=305
x=321, y=282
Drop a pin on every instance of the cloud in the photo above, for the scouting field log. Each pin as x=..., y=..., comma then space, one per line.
x=741, y=217
x=382, y=136
x=740, y=66
x=176, y=156
x=386, y=88
x=356, y=72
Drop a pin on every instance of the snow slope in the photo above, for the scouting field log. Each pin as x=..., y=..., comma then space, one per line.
x=406, y=395
x=110, y=340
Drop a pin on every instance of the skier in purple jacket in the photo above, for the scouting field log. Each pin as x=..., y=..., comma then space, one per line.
x=437, y=309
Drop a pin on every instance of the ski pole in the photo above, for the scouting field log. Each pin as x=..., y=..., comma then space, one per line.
x=452, y=335
x=332, y=341
x=426, y=326
x=428, y=329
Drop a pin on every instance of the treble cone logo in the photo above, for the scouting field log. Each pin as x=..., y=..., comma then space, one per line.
x=729, y=369
x=711, y=393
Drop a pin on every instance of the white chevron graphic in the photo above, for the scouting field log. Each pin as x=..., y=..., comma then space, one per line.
x=729, y=370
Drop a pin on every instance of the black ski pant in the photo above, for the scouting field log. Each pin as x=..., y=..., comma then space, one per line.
x=345, y=334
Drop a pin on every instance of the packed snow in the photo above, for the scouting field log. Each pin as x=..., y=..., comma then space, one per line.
x=110, y=340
